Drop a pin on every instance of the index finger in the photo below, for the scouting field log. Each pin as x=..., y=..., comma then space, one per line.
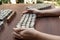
x=18, y=29
x=24, y=12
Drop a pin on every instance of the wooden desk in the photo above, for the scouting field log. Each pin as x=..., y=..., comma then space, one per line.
x=49, y=25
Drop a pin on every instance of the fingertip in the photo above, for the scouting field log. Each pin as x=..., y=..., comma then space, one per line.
x=25, y=11
x=18, y=29
x=14, y=28
x=17, y=35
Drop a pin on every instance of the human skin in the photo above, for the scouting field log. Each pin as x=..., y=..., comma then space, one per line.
x=42, y=13
x=25, y=33
x=28, y=33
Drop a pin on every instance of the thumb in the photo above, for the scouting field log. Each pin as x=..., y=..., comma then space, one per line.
x=18, y=29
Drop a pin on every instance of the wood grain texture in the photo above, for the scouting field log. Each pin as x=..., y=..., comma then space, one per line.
x=49, y=25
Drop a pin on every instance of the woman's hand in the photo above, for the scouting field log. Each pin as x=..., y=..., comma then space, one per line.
x=34, y=11
x=27, y=33
x=39, y=13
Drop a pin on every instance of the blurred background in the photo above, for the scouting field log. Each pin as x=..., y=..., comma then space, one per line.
x=55, y=2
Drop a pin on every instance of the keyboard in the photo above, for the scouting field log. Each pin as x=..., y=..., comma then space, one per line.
x=27, y=21
x=4, y=14
x=41, y=6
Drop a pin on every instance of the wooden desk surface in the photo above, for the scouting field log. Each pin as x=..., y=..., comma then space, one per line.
x=49, y=25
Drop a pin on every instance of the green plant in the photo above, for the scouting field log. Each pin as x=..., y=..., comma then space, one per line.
x=39, y=1
x=0, y=2
x=49, y=0
x=21, y=1
x=5, y=1
x=58, y=1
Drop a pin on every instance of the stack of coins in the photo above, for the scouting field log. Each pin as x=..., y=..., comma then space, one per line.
x=27, y=21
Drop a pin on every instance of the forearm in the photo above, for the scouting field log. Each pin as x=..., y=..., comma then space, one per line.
x=50, y=12
x=45, y=36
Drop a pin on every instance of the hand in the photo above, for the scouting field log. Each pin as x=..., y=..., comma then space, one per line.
x=34, y=11
x=39, y=13
x=29, y=33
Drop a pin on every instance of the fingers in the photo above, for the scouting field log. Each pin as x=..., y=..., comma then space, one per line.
x=17, y=35
x=18, y=29
x=31, y=10
x=27, y=11
x=24, y=12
